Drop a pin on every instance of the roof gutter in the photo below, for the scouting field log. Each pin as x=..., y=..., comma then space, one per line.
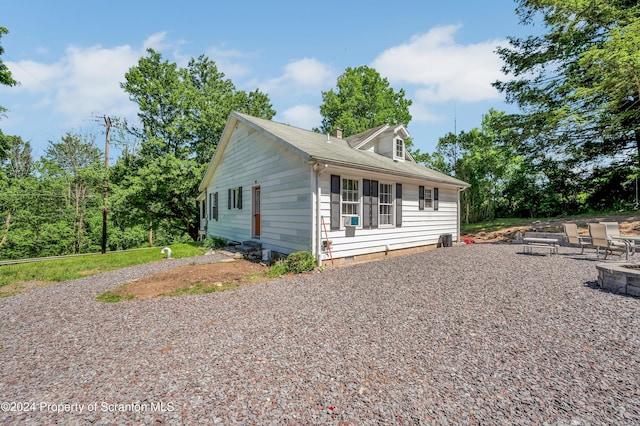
x=312, y=160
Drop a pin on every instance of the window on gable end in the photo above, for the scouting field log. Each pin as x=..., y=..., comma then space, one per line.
x=235, y=198
x=398, y=149
x=213, y=202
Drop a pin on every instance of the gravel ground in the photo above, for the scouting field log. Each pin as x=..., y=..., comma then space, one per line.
x=469, y=334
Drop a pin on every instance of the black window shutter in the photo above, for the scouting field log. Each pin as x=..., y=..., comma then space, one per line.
x=398, y=205
x=215, y=205
x=374, y=203
x=421, y=197
x=366, y=204
x=435, y=198
x=239, y=201
x=229, y=205
x=335, y=202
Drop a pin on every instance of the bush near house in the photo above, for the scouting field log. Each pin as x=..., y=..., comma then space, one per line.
x=300, y=261
x=215, y=243
x=296, y=263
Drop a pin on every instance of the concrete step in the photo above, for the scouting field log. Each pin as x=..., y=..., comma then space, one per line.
x=248, y=247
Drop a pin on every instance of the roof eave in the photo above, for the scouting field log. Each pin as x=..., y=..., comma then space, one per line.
x=456, y=183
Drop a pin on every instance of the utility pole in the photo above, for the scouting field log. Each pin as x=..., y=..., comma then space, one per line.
x=105, y=183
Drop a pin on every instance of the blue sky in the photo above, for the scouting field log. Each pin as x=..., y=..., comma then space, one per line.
x=70, y=56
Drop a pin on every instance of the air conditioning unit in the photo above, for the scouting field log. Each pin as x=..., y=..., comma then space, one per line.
x=351, y=221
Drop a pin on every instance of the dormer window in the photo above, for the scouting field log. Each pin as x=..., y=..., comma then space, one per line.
x=398, y=149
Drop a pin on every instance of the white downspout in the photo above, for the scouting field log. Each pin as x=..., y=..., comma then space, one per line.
x=318, y=190
x=458, y=214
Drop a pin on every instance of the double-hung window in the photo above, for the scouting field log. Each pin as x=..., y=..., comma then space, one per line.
x=235, y=198
x=213, y=203
x=386, y=204
x=428, y=198
x=398, y=149
x=350, y=198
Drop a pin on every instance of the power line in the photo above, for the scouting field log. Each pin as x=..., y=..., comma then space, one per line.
x=30, y=73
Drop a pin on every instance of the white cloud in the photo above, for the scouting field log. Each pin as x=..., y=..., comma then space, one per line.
x=92, y=83
x=421, y=113
x=156, y=42
x=83, y=82
x=443, y=69
x=306, y=75
x=302, y=116
x=228, y=61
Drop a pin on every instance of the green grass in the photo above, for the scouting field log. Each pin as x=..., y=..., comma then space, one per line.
x=108, y=297
x=59, y=270
x=494, y=225
x=500, y=223
x=201, y=289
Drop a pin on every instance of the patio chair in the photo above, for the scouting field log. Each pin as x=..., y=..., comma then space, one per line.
x=571, y=230
x=613, y=228
x=599, y=238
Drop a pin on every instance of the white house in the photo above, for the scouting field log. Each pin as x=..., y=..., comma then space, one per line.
x=292, y=189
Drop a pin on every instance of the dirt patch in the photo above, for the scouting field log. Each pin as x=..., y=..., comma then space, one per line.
x=21, y=287
x=629, y=225
x=212, y=276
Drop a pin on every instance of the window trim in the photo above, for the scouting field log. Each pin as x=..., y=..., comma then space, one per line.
x=391, y=193
x=235, y=198
x=213, y=206
x=359, y=194
x=398, y=142
x=428, y=200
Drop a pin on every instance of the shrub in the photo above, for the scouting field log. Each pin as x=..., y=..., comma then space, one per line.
x=300, y=261
x=277, y=269
x=296, y=263
x=215, y=243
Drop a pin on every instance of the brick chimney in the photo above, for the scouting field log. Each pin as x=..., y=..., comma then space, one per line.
x=338, y=133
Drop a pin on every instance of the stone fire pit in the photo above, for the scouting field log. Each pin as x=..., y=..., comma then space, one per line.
x=621, y=278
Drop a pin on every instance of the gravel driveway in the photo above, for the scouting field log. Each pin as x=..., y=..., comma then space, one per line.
x=475, y=334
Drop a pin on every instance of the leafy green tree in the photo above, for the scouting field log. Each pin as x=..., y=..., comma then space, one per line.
x=183, y=112
x=186, y=109
x=362, y=100
x=26, y=206
x=5, y=74
x=577, y=84
x=76, y=160
x=484, y=158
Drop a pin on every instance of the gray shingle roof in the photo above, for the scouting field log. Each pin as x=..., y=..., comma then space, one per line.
x=312, y=146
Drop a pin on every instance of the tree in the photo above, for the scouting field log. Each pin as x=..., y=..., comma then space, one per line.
x=5, y=74
x=17, y=201
x=577, y=84
x=76, y=159
x=362, y=100
x=183, y=112
x=484, y=158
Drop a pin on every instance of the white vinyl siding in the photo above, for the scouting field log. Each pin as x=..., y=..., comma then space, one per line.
x=251, y=159
x=419, y=227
